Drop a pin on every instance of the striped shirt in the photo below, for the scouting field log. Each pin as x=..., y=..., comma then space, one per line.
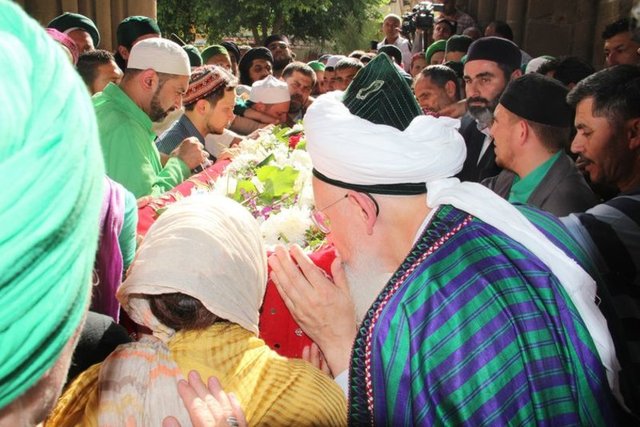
x=610, y=233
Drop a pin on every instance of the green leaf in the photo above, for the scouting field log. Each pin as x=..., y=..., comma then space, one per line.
x=278, y=182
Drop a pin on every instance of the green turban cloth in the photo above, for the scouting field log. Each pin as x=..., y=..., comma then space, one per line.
x=213, y=50
x=380, y=94
x=74, y=20
x=316, y=65
x=437, y=46
x=51, y=176
x=195, y=59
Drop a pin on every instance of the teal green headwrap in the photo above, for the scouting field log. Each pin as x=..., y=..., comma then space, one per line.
x=213, y=50
x=51, y=177
x=437, y=46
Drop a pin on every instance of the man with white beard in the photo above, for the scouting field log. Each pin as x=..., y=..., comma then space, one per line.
x=487, y=315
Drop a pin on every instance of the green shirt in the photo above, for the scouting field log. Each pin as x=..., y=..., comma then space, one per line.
x=130, y=155
x=522, y=189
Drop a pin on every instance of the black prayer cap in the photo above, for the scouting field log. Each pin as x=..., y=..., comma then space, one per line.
x=232, y=48
x=133, y=27
x=247, y=59
x=496, y=49
x=380, y=94
x=276, y=38
x=539, y=99
x=72, y=20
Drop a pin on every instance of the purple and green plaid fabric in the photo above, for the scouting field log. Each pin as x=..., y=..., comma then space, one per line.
x=474, y=330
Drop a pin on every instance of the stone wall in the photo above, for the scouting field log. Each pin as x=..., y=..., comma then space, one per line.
x=107, y=14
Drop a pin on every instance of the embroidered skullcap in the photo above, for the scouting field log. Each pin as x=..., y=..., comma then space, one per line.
x=232, y=48
x=392, y=51
x=245, y=63
x=538, y=98
x=316, y=65
x=161, y=55
x=458, y=43
x=380, y=94
x=269, y=91
x=68, y=22
x=195, y=60
x=65, y=41
x=49, y=229
x=276, y=38
x=437, y=46
x=133, y=27
x=205, y=232
x=204, y=81
x=214, y=50
x=496, y=49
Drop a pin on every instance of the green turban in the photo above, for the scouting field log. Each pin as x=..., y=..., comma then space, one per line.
x=195, y=59
x=437, y=46
x=316, y=65
x=51, y=176
x=213, y=50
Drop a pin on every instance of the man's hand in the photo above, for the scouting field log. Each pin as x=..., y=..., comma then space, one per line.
x=208, y=407
x=313, y=355
x=455, y=110
x=191, y=152
x=323, y=309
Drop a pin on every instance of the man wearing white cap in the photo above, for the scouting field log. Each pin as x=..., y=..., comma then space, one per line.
x=156, y=79
x=270, y=98
x=485, y=317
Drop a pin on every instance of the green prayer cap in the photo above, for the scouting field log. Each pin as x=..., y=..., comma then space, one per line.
x=380, y=94
x=195, y=60
x=69, y=20
x=133, y=27
x=316, y=65
x=437, y=46
x=214, y=50
x=49, y=229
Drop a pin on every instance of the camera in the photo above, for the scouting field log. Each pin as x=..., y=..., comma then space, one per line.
x=421, y=17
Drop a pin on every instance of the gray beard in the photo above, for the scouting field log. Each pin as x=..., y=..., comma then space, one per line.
x=365, y=283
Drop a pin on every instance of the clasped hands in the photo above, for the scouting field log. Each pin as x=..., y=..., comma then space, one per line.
x=322, y=308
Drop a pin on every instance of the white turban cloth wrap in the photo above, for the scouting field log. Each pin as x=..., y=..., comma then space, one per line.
x=348, y=148
x=205, y=246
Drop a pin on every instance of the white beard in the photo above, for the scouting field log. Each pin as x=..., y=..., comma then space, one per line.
x=365, y=283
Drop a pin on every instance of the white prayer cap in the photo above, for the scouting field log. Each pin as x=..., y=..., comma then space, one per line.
x=269, y=91
x=534, y=65
x=351, y=152
x=161, y=55
x=333, y=60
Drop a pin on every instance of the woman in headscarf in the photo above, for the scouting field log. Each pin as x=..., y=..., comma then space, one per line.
x=197, y=283
x=51, y=173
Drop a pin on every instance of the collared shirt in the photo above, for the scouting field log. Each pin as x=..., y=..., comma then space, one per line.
x=130, y=155
x=402, y=44
x=523, y=187
x=179, y=130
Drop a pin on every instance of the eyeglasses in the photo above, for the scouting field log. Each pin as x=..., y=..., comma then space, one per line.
x=322, y=221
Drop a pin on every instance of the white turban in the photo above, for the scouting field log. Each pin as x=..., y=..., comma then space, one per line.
x=205, y=246
x=351, y=150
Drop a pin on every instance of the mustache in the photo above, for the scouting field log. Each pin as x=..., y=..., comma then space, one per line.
x=477, y=100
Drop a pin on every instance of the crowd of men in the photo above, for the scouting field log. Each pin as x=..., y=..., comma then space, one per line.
x=484, y=207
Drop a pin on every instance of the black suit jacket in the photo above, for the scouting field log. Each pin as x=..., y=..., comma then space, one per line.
x=472, y=170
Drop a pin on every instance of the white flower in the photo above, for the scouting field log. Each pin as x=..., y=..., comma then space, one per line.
x=289, y=226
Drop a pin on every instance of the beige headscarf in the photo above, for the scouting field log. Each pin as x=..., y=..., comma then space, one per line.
x=205, y=246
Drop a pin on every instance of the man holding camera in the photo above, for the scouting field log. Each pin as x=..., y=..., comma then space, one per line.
x=391, y=26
